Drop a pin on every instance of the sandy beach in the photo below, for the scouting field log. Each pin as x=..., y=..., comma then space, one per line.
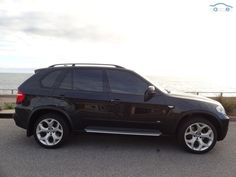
x=7, y=99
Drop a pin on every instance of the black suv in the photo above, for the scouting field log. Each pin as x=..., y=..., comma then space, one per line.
x=102, y=98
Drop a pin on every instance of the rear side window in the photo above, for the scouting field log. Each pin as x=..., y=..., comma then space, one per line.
x=67, y=81
x=88, y=80
x=50, y=79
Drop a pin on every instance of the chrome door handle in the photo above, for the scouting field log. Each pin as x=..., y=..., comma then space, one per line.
x=114, y=100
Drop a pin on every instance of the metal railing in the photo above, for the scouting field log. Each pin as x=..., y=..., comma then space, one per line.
x=213, y=93
x=8, y=91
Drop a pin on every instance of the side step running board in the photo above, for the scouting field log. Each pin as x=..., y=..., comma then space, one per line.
x=123, y=131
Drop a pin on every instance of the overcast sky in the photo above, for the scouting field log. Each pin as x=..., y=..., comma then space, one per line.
x=153, y=37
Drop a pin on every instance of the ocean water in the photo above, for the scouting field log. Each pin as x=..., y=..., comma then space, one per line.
x=193, y=84
x=183, y=84
x=11, y=81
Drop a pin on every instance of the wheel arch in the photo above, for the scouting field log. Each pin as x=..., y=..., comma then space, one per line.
x=45, y=110
x=208, y=116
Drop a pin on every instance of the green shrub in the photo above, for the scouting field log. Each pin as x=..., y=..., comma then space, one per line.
x=9, y=106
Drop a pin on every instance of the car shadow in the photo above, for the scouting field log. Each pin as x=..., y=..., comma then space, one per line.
x=123, y=142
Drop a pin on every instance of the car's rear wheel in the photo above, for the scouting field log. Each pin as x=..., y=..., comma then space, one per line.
x=51, y=130
x=197, y=135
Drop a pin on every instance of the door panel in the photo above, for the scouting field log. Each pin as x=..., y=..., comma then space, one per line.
x=85, y=107
x=132, y=109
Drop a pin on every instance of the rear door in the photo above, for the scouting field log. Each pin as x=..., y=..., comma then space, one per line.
x=84, y=95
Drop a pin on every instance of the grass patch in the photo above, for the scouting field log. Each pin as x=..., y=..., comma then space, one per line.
x=229, y=106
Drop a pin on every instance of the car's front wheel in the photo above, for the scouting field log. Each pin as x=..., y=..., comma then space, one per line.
x=51, y=130
x=197, y=135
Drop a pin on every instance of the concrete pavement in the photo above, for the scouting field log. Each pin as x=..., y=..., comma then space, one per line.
x=111, y=155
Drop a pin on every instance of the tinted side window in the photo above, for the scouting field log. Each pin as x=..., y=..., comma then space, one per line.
x=88, y=80
x=50, y=79
x=66, y=83
x=126, y=82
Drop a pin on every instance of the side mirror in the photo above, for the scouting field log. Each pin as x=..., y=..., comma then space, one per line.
x=149, y=93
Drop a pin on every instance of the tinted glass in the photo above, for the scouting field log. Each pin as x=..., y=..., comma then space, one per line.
x=67, y=81
x=126, y=82
x=88, y=80
x=50, y=79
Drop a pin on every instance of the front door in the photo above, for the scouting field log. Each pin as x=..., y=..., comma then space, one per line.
x=127, y=100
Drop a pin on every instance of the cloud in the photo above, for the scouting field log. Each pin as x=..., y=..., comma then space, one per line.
x=86, y=32
x=51, y=25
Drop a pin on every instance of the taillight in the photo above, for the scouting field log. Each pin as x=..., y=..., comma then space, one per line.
x=20, y=97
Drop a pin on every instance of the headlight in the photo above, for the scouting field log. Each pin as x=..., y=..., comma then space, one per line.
x=220, y=109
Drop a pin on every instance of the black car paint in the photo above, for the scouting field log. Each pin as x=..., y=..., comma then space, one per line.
x=164, y=111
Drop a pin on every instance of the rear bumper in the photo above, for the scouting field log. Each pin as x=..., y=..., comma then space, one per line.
x=21, y=118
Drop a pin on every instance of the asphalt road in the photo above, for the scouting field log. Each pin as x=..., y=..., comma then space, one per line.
x=111, y=155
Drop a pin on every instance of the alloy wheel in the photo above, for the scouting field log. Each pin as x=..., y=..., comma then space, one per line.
x=49, y=132
x=199, y=136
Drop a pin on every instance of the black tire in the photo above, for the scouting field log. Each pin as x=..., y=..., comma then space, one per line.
x=185, y=127
x=63, y=130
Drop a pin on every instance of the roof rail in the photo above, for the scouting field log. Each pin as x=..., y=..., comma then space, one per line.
x=84, y=64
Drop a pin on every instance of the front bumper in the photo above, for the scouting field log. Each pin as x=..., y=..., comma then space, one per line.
x=224, y=124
